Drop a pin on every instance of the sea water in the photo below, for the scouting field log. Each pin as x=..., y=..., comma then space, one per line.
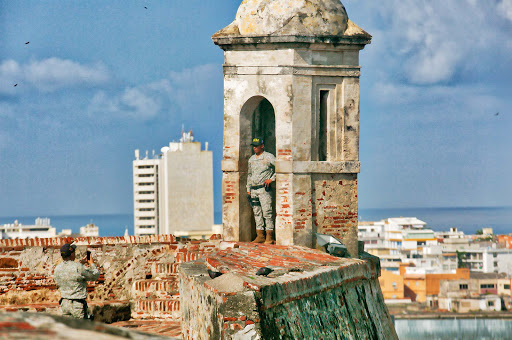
x=453, y=329
x=438, y=219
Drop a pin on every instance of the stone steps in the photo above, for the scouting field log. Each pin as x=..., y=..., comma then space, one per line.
x=168, y=309
x=159, y=288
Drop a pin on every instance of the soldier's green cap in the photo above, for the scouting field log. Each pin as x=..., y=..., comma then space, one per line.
x=257, y=141
x=67, y=249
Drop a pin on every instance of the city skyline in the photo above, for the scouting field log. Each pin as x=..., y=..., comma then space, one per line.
x=96, y=81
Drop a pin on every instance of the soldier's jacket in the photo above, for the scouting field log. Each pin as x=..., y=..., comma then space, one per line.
x=72, y=277
x=261, y=168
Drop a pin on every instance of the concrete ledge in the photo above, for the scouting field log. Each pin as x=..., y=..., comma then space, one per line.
x=232, y=42
x=310, y=70
x=318, y=167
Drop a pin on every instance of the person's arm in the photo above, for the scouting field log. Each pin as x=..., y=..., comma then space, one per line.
x=249, y=175
x=92, y=273
x=272, y=165
x=272, y=160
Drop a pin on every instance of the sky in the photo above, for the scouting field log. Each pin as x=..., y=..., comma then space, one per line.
x=99, y=79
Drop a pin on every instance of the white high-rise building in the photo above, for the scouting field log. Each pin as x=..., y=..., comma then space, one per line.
x=145, y=194
x=173, y=191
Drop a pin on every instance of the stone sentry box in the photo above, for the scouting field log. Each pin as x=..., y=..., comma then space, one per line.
x=291, y=75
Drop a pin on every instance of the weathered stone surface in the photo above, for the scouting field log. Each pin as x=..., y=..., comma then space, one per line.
x=309, y=294
x=266, y=17
x=286, y=18
x=43, y=326
x=291, y=75
x=138, y=275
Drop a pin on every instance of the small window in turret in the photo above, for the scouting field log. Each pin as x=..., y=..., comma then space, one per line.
x=322, y=131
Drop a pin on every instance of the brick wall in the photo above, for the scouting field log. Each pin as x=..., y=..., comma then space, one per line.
x=335, y=207
x=139, y=270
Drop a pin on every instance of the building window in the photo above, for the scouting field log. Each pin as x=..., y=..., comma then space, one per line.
x=506, y=286
x=146, y=226
x=394, y=285
x=490, y=303
x=487, y=286
x=463, y=286
x=322, y=131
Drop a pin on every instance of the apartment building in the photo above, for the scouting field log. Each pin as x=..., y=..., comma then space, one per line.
x=480, y=291
x=145, y=195
x=173, y=191
x=395, y=239
x=40, y=229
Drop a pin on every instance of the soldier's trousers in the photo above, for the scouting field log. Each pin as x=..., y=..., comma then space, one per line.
x=73, y=308
x=263, y=210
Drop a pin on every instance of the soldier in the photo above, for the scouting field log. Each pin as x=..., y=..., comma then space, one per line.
x=72, y=277
x=261, y=174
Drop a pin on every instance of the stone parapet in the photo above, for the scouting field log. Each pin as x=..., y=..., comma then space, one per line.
x=308, y=294
x=89, y=241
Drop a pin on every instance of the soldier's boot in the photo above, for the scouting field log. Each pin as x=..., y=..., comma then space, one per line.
x=260, y=236
x=270, y=237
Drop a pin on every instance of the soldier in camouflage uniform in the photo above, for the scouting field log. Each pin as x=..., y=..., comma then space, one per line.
x=261, y=174
x=72, y=277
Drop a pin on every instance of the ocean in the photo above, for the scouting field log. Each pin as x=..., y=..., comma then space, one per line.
x=438, y=219
x=466, y=219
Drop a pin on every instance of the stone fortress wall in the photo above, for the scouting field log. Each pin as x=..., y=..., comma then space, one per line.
x=310, y=293
x=137, y=272
x=291, y=75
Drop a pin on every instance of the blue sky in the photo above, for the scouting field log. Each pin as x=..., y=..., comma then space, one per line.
x=102, y=78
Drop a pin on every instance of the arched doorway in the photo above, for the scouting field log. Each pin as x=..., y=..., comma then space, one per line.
x=263, y=125
x=257, y=119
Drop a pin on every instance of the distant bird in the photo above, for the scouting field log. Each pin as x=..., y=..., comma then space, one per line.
x=497, y=113
x=213, y=274
x=28, y=42
x=264, y=271
x=15, y=85
x=145, y=7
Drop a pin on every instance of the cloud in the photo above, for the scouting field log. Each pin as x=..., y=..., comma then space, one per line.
x=132, y=103
x=440, y=103
x=505, y=9
x=433, y=42
x=50, y=75
x=184, y=93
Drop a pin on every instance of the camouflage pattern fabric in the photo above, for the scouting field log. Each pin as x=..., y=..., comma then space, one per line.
x=260, y=169
x=263, y=211
x=72, y=277
x=73, y=308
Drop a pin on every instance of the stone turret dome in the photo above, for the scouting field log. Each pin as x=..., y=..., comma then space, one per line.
x=274, y=18
x=308, y=17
